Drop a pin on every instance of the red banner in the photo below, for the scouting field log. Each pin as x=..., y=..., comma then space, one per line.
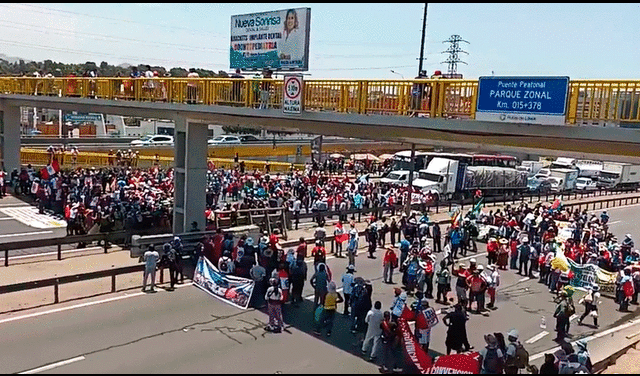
x=412, y=350
x=466, y=363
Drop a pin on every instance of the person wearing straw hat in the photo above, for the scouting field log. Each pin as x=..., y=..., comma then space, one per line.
x=491, y=357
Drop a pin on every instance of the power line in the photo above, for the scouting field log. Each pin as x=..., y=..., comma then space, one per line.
x=39, y=29
x=453, y=51
x=122, y=20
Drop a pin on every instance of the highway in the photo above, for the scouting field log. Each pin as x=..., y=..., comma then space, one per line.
x=189, y=331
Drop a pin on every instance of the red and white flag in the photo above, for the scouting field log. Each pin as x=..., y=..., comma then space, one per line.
x=50, y=170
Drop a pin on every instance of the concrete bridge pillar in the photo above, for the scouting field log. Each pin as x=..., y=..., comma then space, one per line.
x=10, y=138
x=190, y=145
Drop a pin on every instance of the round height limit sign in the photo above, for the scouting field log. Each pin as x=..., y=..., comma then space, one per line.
x=292, y=101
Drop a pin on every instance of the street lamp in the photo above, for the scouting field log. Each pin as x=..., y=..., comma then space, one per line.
x=392, y=71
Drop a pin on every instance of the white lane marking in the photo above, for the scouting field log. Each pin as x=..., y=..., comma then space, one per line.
x=53, y=365
x=5, y=219
x=614, y=222
x=55, y=253
x=26, y=234
x=537, y=337
x=12, y=204
x=30, y=216
x=589, y=338
x=524, y=279
x=87, y=304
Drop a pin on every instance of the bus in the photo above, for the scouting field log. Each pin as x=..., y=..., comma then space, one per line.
x=402, y=159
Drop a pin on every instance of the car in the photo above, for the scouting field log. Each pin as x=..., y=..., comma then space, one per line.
x=157, y=140
x=543, y=173
x=585, y=184
x=248, y=138
x=557, y=184
x=540, y=185
x=396, y=177
x=224, y=139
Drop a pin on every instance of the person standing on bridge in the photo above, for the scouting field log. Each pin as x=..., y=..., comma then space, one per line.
x=150, y=258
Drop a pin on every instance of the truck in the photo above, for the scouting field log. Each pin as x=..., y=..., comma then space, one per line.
x=563, y=179
x=450, y=179
x=619, y=175
x=531, y=167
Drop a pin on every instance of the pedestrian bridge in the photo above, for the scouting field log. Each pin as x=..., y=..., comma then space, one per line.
x=598, y=114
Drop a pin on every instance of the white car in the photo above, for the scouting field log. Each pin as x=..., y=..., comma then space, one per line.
x=232, y=140
x=585, y=184
x=157, y=140
x=543, y=173
x=396, y=177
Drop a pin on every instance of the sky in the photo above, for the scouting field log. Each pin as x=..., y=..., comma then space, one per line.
x=347, y=40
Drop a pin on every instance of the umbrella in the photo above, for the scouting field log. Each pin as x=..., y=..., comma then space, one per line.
x=384, y=157
x=336, y=156
x=363, y=157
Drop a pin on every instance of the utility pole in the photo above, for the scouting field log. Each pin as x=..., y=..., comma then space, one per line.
x=453, y=51
x=424, y=33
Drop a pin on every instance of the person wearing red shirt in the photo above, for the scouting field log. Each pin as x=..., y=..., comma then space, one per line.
x=319, y=254
x=492, y=251
x=218, y=239
x=208, y=250
x=301, y=251
x=273, y=239
x=389, y=262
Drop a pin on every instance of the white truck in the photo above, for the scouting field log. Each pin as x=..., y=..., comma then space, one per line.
x=531, y=167
x=619, y=175
x=563, y=179
x=448, y=178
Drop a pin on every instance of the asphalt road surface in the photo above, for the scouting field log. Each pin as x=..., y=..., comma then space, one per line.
x=190, y=331
x=19, y=221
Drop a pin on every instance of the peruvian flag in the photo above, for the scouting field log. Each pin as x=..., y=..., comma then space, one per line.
x=50, y=170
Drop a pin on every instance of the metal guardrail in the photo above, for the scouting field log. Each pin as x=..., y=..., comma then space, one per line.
x=589, y=100
x=59, y=242
x=39, y=157
x=55, y=282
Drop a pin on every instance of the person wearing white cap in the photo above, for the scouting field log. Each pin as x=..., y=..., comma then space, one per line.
x=515, y=354
x=493, y=281
x=352, y=246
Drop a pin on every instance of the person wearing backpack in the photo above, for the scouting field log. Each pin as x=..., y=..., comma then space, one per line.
x=492, y=358
x=517, y=357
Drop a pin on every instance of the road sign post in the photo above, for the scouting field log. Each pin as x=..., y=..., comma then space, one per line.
x=292, y=94
x=531, y=100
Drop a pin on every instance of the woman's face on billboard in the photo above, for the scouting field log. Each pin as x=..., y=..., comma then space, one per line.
x=291, y=20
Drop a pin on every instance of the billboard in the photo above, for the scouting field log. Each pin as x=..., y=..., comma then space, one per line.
x=532, y=100
x=278, y=40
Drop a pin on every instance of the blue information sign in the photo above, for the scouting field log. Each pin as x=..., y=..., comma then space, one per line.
x=538, y=100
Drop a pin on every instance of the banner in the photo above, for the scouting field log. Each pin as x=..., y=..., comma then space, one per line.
x=417, y=358
x=583, y=275
x=228, y=288
x=278, y=40
x=466, y=363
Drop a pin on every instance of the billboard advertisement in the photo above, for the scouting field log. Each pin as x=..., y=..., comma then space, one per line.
x=278, y=40
x=532, y=100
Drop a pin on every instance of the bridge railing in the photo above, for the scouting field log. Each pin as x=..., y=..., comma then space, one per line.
x=589, y=100
x=40, y=157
